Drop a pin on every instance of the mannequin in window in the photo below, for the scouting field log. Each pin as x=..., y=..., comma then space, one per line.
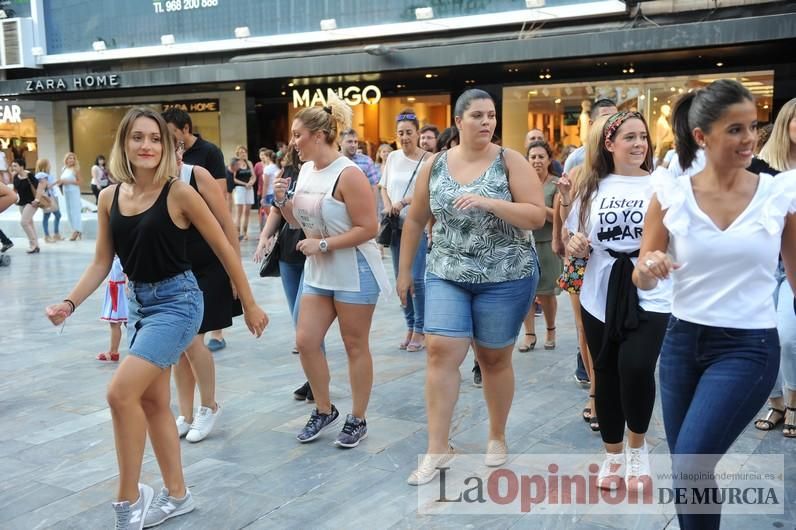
x=584, y=120
x=663, y=132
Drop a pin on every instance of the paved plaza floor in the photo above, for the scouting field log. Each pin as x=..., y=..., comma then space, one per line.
x=57, y=458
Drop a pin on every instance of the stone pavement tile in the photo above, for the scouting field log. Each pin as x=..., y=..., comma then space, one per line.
x=630, y=522
x=79, y=474
x=260, y=452
x=85, y=444
x=385, y=431
x=22, y=494
x=11, y=467
x=13, y=447
x=74, y=423
x=96, y=497
x=457, y=521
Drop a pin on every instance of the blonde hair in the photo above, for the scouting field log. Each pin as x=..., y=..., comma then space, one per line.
x=238, y=148
x=776, y=151
x=42, y=165
x=77, y=164
x=332, y=119
x=119, y=163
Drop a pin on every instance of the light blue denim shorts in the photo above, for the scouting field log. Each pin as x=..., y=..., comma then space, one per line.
x=164, y=317
x=368, y=293
x=491, y=313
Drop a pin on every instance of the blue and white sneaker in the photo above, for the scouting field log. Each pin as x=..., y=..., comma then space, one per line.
x=316, y=424
x=165, y=507
x=354, y=431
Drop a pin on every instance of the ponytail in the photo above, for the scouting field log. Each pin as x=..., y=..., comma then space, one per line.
x=685, y=144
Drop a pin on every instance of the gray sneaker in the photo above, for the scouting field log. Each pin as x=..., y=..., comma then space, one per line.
x=131, y=516
x=354, y=431
x=165, y=507
x=316, y=424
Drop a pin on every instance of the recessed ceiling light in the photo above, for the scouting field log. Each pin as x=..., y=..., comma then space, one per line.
x=719, y=64
x=429, y=76
x=237, y=87
x=284, y=93
x=411, y=98
x=291, y=83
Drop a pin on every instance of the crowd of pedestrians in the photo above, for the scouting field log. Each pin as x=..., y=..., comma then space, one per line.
x=689, y=266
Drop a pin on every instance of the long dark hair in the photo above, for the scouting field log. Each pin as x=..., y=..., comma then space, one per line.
x=701, y=109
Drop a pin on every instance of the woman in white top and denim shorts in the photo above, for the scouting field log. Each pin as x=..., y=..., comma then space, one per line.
x=343, y=274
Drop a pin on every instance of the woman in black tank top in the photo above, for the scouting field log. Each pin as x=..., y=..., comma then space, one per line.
x=145, y=220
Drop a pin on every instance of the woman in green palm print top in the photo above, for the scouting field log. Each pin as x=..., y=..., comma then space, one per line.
x=481, y=272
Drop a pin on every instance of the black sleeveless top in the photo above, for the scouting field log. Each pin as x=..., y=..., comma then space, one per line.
x=149, y=245
x=244, y=174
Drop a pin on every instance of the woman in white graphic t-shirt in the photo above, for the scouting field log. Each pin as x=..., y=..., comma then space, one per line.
x=624, y=326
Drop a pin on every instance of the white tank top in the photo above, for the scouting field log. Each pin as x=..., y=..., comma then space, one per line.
x=322, y=216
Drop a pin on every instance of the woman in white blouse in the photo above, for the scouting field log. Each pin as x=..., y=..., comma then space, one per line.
x=718, y=234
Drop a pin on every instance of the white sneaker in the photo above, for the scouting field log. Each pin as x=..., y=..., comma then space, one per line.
x=429, y=468
x=638, y=475
x=496, y=453
x=612, y=471
x=203, y=423
x=182, y=426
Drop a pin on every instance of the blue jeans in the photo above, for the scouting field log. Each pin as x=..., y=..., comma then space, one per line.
x=713, y=382
x=46, y=221
x=786, y=326
x=414, y=310
x=292, y=275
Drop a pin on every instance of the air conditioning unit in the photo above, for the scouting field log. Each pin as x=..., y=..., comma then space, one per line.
x=16, y=43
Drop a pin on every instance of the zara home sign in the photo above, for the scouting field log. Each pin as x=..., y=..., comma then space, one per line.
x=84, y=82
x=353, y=95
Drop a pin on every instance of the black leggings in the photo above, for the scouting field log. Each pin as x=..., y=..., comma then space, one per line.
x=3, y=238
x=625, y=380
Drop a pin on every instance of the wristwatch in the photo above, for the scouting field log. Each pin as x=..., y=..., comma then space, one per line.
x=323, y=246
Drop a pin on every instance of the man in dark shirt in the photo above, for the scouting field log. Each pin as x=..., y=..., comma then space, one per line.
x=199, y=152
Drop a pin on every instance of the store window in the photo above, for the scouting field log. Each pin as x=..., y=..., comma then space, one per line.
x=94, y=127
x=374, y=115
x=17, y=136
x=561, y=111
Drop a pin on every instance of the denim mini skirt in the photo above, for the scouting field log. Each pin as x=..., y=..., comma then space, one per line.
x=164, y=317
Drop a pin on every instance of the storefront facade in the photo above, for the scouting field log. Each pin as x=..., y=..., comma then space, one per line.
x=561, y=111
x=249, y=93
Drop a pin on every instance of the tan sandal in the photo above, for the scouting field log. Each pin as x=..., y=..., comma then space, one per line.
x=550, y=344
x=531, y=345
x=766, y=423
